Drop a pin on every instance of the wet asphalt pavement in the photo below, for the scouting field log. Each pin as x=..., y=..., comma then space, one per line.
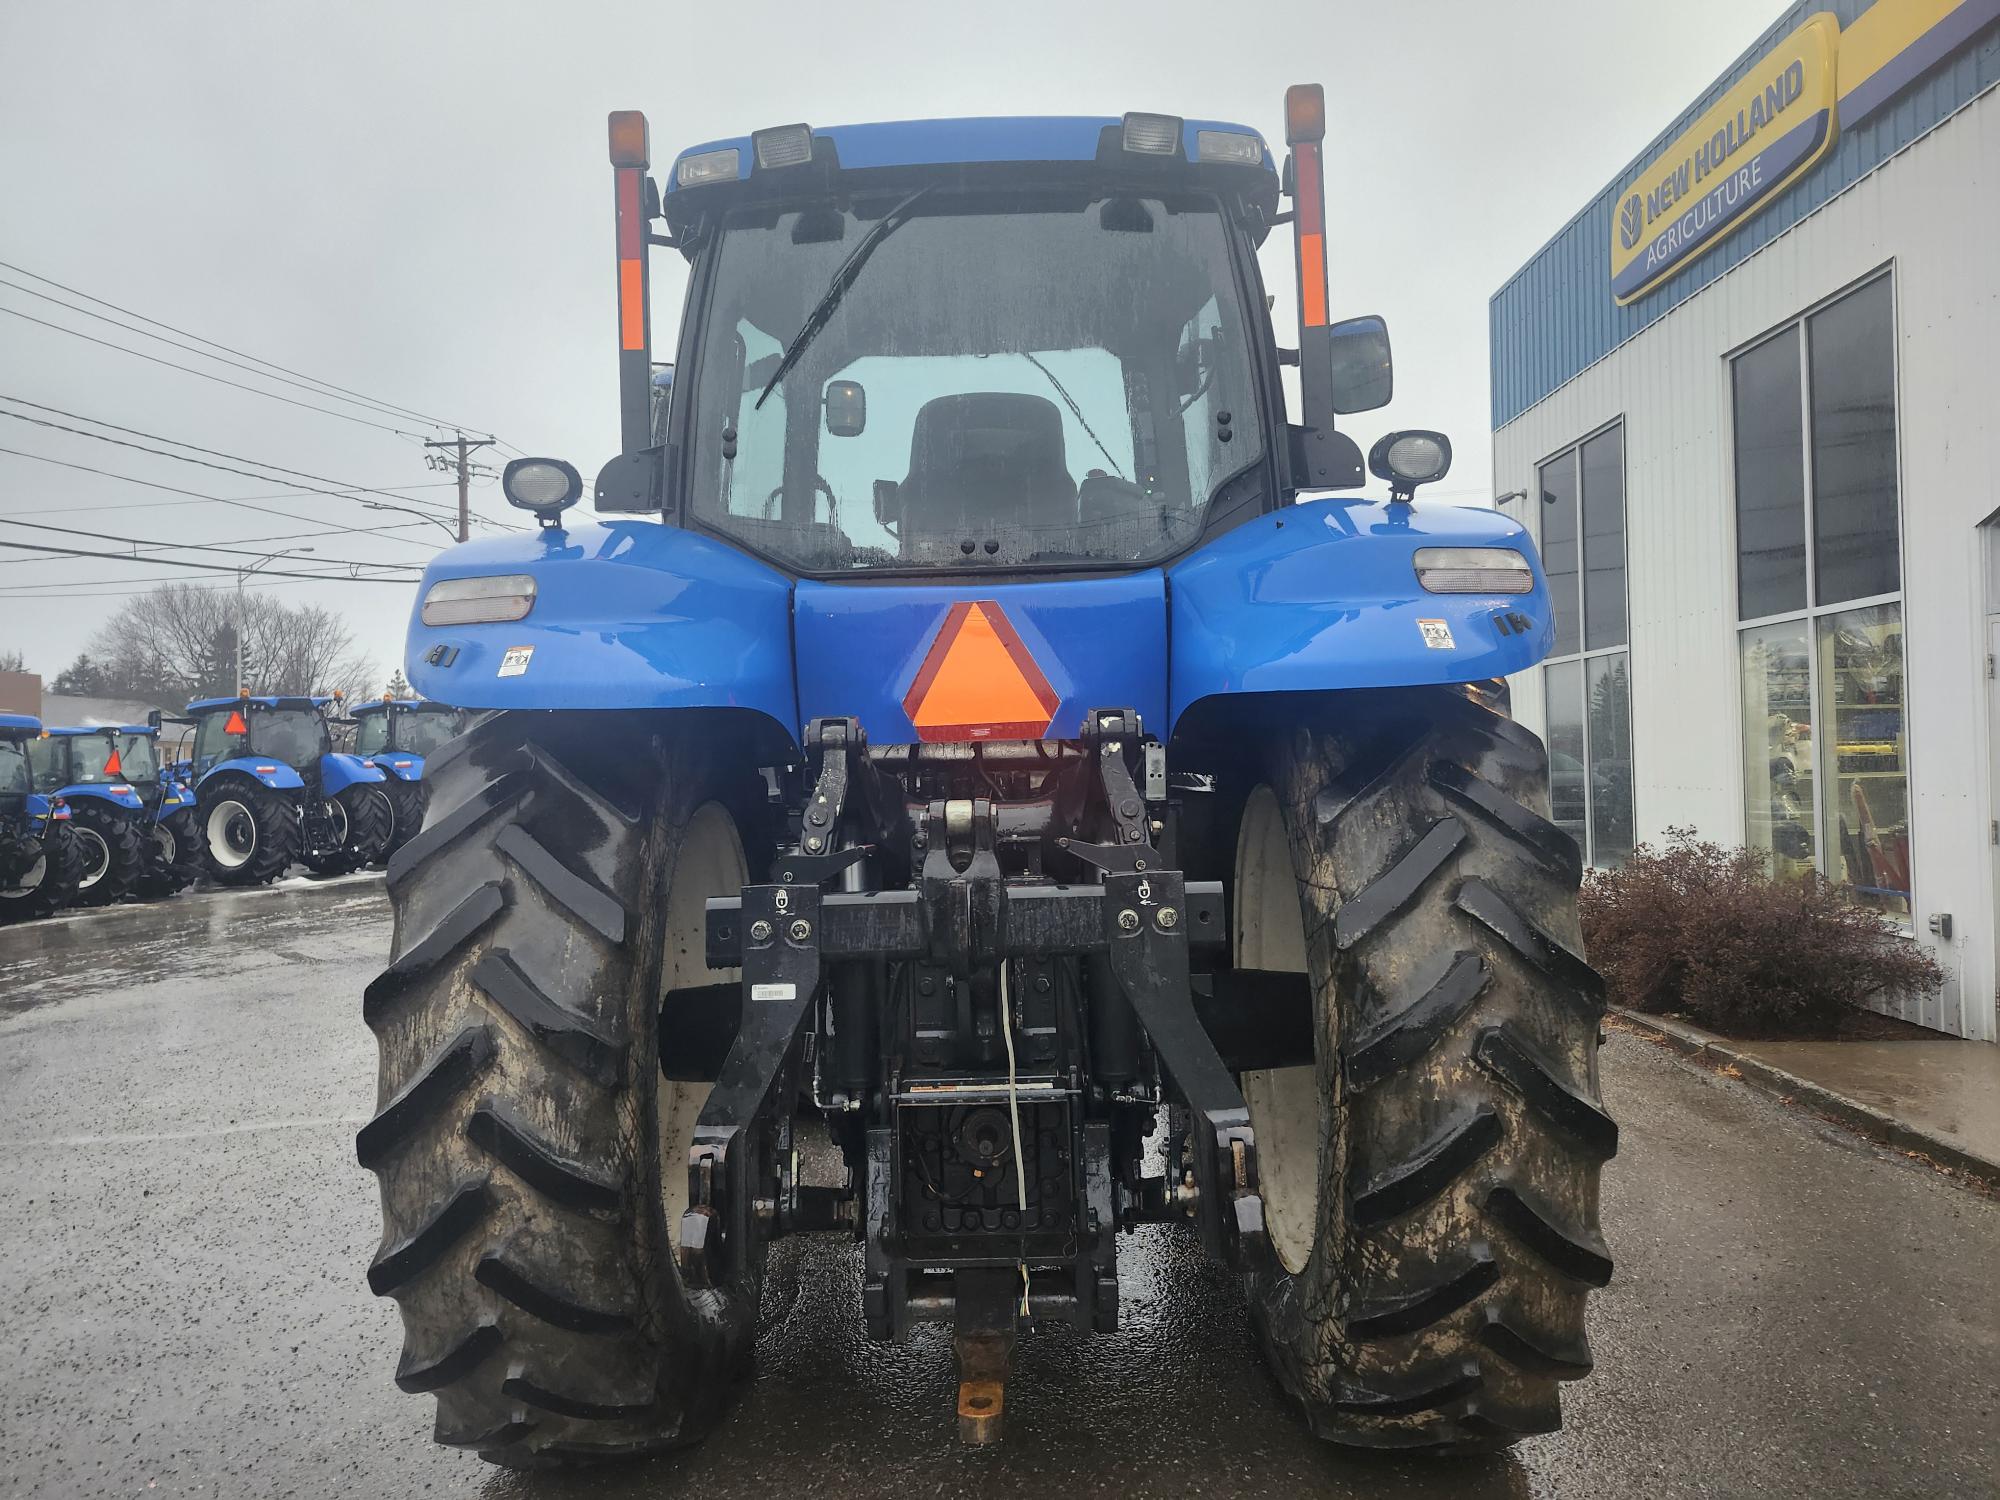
x=183, y=1233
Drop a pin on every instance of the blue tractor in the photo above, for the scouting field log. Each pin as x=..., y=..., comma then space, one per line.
x=270, y=792
x=980, y=785
x=174, y=844
x=394, y=735
x=40, y=863
x=110, y=819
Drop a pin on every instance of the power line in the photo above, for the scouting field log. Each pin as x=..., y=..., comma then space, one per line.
x=140, y=541
x=141, y=550
x=172, y=562
x=200, y=499
x=343, y=491
x=364, y=402
x=15, y=312
x=213, y=344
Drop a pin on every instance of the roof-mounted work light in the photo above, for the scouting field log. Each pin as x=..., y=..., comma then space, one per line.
x=782, y=146
x=1233, y=147
x=1154, y=135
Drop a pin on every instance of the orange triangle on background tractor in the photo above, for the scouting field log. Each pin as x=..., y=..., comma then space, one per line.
x=236, y=724
x=979, y=682
x=112, y=765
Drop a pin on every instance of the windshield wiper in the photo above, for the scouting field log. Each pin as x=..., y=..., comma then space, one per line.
x=843, y=278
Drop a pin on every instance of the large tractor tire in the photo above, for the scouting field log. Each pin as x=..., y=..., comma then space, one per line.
x=48, y=884
x=1431, y=1183
x=112, y=848
x=533, y=1161
x=174, y=855
x=407, y=801
x=250, y=832
x=360, y=819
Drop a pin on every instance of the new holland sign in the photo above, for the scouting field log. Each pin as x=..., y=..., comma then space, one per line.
x=1776, y=123
x=1772, y=126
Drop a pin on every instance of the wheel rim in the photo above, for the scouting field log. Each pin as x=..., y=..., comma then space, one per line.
x=232, y=834
x=29, y=882
x=708, y=862
x=166, y=843
x=1284, y=1102
x=96, y=856
x=336, y=823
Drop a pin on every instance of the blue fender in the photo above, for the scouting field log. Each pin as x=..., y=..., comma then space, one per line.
x=339, y=772
x=274, y=774
x=1324, y=595
x=399, y=765
x=42, y=808
x=628, y=614
x=116, y=793
x=173, y=798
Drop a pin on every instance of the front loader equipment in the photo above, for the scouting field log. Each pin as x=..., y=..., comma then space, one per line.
x=270, y=790
x=983, y=787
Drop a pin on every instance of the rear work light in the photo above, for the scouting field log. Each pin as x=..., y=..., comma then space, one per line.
x=479, y=601
x=1155, y=135
x=1473, y=570
x=711, y=166
x=783, y=145
x=1235, y=147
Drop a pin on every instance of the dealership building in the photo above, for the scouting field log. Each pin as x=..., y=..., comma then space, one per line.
x=1748, y=401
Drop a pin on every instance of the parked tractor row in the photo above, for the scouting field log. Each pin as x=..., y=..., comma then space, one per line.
x=93, y=816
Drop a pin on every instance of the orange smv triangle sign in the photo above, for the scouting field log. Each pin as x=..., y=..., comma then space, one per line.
x=979, y=682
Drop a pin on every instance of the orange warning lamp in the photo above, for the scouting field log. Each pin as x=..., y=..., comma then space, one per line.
x=979, y=681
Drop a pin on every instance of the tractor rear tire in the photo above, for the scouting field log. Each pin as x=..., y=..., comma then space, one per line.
x=112, y=850
x=174, y=858
x=250, y=832
x=532, y=1158
x=365, y=822
x=407, y=801
x=1431, y=1184
x=49, y=882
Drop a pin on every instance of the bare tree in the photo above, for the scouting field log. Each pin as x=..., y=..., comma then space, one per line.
x=179, y=639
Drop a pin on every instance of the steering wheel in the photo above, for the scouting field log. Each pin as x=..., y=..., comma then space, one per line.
x=820, y=487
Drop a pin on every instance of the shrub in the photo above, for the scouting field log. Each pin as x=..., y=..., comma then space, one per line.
x=1706, y=932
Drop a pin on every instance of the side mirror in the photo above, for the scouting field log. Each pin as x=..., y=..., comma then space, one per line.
x=630, y=483
x=889, y=504
x=546, y=486
x=1409, y=459
x=153, y=718
x=1363, y=374
x=846, y=408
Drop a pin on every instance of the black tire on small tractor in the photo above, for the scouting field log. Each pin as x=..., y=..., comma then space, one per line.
x=173, y=855
x=112, y=848
x=250, y=833
x=361, y=815
x=49, y=882
x=1431, y=1184
x=533, y=1160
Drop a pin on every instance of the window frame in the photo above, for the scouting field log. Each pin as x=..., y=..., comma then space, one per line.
x=1826, y=754
x=1585, y=653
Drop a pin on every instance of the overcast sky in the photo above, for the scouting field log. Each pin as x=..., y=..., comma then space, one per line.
x=411, y=200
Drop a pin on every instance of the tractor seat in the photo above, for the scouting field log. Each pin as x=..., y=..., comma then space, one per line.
x=987, y=463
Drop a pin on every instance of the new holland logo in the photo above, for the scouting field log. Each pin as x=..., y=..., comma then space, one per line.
x=1631, y=221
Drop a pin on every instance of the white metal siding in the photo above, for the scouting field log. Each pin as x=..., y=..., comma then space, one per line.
x=1933, y=212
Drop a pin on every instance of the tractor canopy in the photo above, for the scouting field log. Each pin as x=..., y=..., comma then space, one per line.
x=289, y=730
x=977, y=426
x=413, y=726
x=110, y=763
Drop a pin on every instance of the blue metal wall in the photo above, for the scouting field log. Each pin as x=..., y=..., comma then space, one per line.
x=1556, y=316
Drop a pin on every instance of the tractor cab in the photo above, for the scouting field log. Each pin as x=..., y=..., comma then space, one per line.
x=87, y=768
x=395, y=734
x=292, y=731
x=39, y=859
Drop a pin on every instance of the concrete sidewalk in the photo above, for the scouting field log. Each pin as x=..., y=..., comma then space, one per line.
x=1938, y=1098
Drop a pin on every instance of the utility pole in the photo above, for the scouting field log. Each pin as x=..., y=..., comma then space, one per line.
x=464, y=447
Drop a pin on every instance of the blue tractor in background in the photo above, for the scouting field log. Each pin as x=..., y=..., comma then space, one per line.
x=981, y=739
x=270, y=792
x=174, y=846
x=394, y=735
x=39, y=860
x=110, y=820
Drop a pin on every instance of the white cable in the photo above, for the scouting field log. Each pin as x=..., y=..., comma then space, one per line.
x=1013, y=1099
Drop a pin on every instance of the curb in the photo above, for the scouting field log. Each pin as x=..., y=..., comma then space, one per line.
x=1863, y=1119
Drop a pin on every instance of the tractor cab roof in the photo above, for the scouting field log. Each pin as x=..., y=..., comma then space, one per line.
x=792, y=158
x=263, y=700
x=80, y=730
x=19, y=726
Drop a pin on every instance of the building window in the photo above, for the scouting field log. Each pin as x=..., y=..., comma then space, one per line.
x=1819, y=591
x=1587, y=681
